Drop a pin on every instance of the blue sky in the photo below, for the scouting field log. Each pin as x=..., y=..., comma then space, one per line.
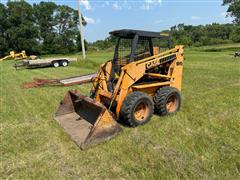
x=153, y=15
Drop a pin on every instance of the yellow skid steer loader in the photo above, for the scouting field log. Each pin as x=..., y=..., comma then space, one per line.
x=140, y=80
x=17, y=56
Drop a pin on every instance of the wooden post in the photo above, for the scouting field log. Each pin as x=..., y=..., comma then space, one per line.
x=81, y=30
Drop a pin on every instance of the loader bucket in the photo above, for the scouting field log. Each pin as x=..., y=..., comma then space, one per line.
x=86, y=121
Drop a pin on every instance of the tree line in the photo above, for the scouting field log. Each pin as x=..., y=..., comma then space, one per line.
x=42, y=28
x=205, y=35
x=189, y=35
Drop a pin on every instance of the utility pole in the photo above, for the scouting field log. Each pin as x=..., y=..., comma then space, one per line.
x=81, y=30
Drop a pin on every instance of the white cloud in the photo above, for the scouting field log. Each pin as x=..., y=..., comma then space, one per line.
x=223, y=14
x=89, y=20
x=116, y=6
x=196, y=18
x=149, y=4
x=86, y=4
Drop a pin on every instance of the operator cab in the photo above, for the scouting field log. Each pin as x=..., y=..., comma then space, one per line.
x=134, y=45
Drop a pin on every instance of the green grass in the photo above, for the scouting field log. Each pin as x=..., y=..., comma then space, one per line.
x=221, y=47
x=202, y=141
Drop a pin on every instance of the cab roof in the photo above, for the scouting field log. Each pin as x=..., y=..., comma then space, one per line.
x=130, y=33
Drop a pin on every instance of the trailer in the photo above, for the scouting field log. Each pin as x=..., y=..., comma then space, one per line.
x=54, y=62
x=237, y=54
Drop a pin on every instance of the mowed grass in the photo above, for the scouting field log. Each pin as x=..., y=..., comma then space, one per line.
x=202, y=141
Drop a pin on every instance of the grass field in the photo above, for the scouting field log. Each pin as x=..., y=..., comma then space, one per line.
x=202, y=141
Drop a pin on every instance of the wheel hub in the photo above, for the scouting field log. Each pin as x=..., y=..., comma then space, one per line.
x=171, y=104
x=141, y=111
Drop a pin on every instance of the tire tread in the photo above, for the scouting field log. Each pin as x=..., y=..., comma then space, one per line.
x=127, y=107
x=160, y=99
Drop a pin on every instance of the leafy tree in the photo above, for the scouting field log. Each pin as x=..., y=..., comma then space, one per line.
x=203, y=35
x=66, y=20
x=235, y=35
x=3, y=27
x=233, y=9
x=39, y=28
x=44, y=13
x=22, y=33
x=58, y=27
x=79, y=43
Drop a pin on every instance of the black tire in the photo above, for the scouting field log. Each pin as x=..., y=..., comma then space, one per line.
x=163, y=97
x=64, y=63
x=130, y=112
x=55, y=64
x=92, y=94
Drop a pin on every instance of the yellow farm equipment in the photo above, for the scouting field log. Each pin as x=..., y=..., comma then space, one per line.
x=139, y=81
x=17, y=56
